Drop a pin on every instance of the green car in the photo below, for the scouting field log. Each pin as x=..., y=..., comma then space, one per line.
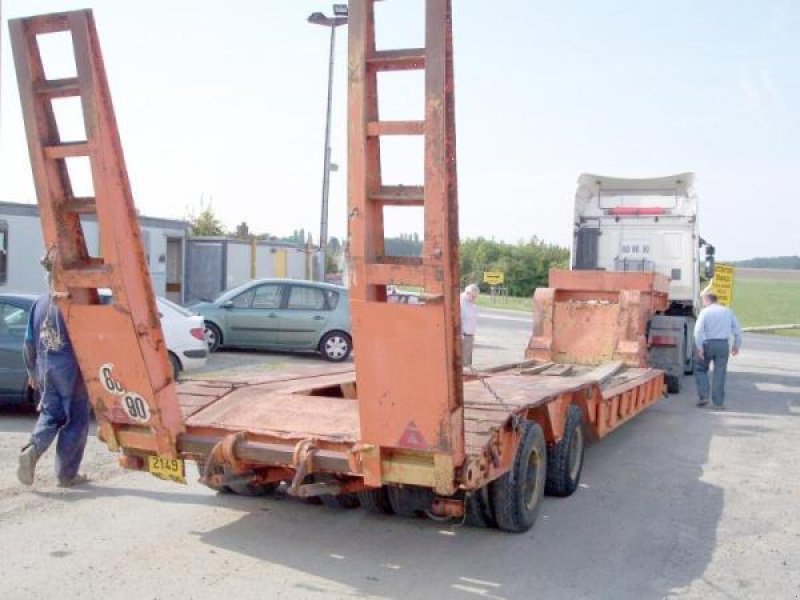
x=280, y=314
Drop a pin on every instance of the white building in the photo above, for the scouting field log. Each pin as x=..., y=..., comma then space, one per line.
x=22, y=245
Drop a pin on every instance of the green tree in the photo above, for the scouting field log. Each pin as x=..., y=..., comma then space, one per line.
x=205, y=223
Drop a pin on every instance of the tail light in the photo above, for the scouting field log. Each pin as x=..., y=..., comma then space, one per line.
x=199, y=333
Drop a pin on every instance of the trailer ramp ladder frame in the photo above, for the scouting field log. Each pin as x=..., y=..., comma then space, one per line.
x=409, y=420
x=120, y=346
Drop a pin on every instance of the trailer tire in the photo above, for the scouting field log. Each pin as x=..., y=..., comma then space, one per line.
x=517, y=495
x=253, y=489
x=410, y=501
x=478, y=509
x=673, y=384
x=340, y=501
x=376, y=501
x=565, y=458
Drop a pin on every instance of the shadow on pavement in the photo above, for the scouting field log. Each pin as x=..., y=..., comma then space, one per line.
x=643, y=525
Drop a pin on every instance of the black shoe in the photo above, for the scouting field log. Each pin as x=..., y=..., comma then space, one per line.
x=715, y=407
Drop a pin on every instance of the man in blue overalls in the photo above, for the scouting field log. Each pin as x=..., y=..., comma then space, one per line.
x=64, y=402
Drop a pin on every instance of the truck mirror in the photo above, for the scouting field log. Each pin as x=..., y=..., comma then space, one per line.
x=709, y=270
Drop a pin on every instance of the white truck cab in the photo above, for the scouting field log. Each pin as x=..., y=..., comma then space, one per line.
x=647, y=225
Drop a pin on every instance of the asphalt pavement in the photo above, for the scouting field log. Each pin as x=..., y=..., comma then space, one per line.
x=680, y=502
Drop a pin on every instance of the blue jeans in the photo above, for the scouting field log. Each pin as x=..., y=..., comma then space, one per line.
x=715, y=351
x=64, y=413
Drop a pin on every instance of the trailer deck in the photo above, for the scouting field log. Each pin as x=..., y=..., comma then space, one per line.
x=322, y=406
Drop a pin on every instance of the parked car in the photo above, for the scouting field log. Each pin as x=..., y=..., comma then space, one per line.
x=14, y=311
x=281, y=314
x=184, y=333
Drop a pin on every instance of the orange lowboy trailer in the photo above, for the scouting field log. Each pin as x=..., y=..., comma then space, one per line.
x=407, y=430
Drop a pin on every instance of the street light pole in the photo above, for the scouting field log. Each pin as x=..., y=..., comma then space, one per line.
x=340, y=10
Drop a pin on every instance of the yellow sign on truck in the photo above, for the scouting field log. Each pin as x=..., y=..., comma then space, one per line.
x=723, y=284
x=493, y=277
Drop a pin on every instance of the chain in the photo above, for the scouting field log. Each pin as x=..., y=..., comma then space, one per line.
x=50, y=333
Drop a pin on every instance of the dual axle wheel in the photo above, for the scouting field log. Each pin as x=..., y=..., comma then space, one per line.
x=510, y=503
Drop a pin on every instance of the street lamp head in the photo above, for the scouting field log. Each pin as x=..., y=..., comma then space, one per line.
x=318, y=18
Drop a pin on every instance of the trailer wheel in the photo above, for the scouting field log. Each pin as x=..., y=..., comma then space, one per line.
x=340, y=501
x=409, y=500
x=565, y=459
x=673, y=384
x=376, y=501
x=517, y=495
x=253, y=489
x=478, y=509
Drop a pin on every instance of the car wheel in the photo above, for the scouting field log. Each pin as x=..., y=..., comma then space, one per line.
x=176, y=366
x=213, y=337
x=335, y=346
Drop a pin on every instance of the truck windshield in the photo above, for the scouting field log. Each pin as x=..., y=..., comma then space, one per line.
x=612, y=200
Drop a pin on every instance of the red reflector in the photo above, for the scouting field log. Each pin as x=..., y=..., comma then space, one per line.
x=663, y=340
x=635, y=211
x=198, y=332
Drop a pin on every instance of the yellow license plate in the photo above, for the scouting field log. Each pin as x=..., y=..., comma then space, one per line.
x=172, y=469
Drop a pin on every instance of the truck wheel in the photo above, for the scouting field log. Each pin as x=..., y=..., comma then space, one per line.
x=410, y=501
x=478, y=509
x=340, y=501
x=565, y=459
x=376, y=501
x=673, y=384
x=517, y=495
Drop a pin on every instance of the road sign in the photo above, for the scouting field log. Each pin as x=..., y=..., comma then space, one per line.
x=494, y=277
x=723, y=284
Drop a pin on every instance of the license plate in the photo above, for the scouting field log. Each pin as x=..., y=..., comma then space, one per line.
x=172, y=469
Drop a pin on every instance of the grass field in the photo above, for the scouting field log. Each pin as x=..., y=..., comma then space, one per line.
x=509, y=303
x=766, y=301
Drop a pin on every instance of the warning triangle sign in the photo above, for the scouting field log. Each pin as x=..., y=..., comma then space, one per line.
x=412, y=438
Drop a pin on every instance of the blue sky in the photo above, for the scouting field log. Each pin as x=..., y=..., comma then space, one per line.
x=225, y=100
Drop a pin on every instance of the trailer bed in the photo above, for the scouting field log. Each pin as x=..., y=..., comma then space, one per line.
x=294, y=406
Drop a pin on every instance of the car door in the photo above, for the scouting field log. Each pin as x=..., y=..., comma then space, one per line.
x=304, y=317
x=252, y=317
x=13, y=376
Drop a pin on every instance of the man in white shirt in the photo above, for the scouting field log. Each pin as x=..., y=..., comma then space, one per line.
x=715, y=326
x=469, y=321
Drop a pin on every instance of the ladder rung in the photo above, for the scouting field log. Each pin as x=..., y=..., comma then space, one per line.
x=395, y=274
x=400, y=195
x=398, y=60
x=87, y=277
x=59, y=88
x=66, y=150
x=376, y=128
x=80, y=206
x=48, y=23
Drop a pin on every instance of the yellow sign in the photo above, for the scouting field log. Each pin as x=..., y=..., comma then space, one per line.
x=723, y=284
x=167, y=468
x=493, y=277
